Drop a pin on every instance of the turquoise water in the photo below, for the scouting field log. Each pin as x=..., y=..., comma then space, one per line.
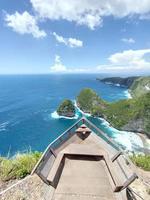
x=28, y=102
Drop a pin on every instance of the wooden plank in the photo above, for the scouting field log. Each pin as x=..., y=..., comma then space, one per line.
x=116, y=180
x=56, y=169
x=81, y=149
x=129, y=180
x=116, y=156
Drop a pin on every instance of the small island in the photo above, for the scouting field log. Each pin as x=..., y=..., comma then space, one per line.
x=66, y=109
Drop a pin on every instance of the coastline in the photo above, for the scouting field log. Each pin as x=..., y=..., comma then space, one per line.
x=129, y=141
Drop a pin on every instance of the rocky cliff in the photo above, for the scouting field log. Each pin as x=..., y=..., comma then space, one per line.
x=124, y=82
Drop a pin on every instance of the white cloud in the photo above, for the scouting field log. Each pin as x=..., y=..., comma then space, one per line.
x=90, y=12
x=71, y=42
x=127, y=60
x=24, y=23
x=128, y=40
x=58, y=67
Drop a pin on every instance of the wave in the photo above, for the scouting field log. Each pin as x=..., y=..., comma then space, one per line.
x=117, y=84
x=55, y=115
x=127, y=94
x=3, y=126
x=80, y=111
x=129, y=140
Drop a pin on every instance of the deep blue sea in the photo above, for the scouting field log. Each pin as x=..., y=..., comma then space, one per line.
x=28, y=103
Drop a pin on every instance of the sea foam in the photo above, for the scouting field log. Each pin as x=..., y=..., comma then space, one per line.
x=3, y=126
x=129, y=140
x=80, y=111
x=127, y=94
x=55, y=115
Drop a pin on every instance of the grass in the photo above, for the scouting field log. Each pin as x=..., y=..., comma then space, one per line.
x=142, y=161
x=18, y=166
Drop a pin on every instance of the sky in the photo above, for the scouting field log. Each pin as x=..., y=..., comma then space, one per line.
x=74, y=36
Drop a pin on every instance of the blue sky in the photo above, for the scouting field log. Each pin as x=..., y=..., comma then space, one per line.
x=74, y=36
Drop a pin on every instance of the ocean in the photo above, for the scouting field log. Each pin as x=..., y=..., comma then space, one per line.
x=28, y=103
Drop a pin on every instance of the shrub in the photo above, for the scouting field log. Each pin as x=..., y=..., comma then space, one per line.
x=142, y=161
x=18, y=166
x=97, y=111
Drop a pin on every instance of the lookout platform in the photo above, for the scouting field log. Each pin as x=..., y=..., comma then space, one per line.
x=83, y=163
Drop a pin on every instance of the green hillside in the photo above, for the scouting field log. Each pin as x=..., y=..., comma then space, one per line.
x=90, y=102
x=129, y=114
x=136, y=110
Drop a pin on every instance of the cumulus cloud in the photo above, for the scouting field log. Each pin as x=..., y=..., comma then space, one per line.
x=128, y=40
x=71, y=42
x=24, y=24
x=58, y=67
x=90, y=12
x=127, y=60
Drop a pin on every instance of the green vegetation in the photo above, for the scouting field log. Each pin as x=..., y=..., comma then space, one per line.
x=140, y=86
x=142, y=161
x=90, y=102
x=132, y=113
x=121, y=112
x=97, y=111
x=66, y=108
x=19, y=166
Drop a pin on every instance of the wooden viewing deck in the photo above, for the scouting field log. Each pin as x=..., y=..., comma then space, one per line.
x=83, y=163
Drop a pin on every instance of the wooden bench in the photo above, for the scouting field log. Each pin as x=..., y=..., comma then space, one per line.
x=114, y=176
x=72, y=149
x=85, y=150
x=56, y=170
x=121, y=180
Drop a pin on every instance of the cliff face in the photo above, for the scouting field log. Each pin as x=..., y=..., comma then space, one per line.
x=135, y=125
x=140, y=86
x=124, y=82
x=131, y=114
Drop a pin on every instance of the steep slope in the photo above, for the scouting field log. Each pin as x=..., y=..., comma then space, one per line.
x=90, y=102
x=119, y=81
x=140, y=86
x=131, y=114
